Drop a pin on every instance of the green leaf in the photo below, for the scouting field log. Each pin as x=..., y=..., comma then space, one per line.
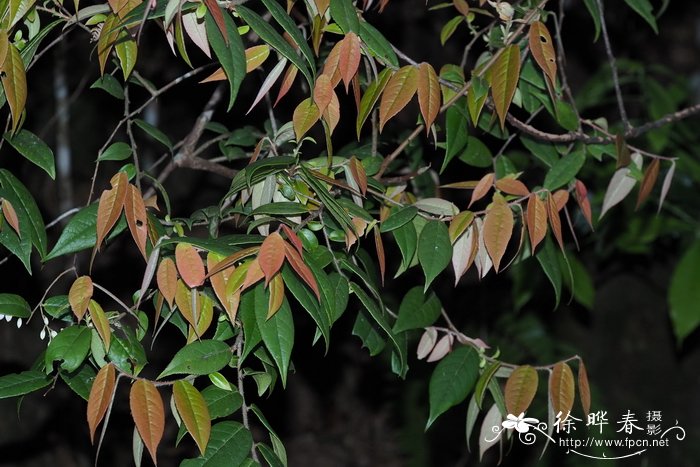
x=231, y=55
x=546, y=153
x=269, y=455
x=154, y=133
x=406, y=238
x=80, y=381
x=434, y=250
x=109, y=84
x=277, y=332
x=281, y=208
x=547, y=257
x=308, y=301
x=398, y=218
x=21, y=247
x=291, y=28
x=417, y=310
x=477, y=154
x=126, y=352
x=644, y=9
x=116, y=152
x=566, y=116
x=449, y=28
x=684, y=293
x=32, y=46
x=370, y=98
x=452, y=381
x=343, y=12
x=592, y=6
x=246, y=312
x=456, y=133
x=564, y=170
x=229, y=445
x=221, y=403
x=127, y=51
x=22, y=200
x=14, y=305
x=378, y=316
x=34, y=150
x=81, y=233
x=582, y=287
x=377, y=44
x=369, y=334
x=275, y=40
x=199, y=358
x=19, y=384
x=71, y=345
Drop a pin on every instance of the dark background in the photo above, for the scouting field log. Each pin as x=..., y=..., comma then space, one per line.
x=344, y=408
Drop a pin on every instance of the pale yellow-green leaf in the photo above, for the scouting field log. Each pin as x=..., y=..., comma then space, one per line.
x=14, y=82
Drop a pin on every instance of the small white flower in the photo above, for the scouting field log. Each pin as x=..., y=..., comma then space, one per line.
x=19, y=323
x=52, y=333
x=8, y=318
x=46, y=320
x=520, y=423
x=504, y=9
x=1, y=317
x=42, y=334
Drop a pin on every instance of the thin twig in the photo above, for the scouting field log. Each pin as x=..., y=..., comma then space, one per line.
x=613, y=68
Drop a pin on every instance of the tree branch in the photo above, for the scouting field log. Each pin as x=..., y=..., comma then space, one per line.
x=613, y=68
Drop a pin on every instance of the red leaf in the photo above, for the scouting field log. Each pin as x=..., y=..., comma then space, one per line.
x=100, y=397
x=271, y=255
x=482, y=188
x=79, y=296
x=428, y=94
x=379, y=246
x=10, y=215
x=218, y=16
x=349, y=57
x=498, y=228
x=166, y=278
x=287, y=82
x=583, y=202
x=512, y=186
x=110, y=206
x=135, y=212
x=536, y=220
x=189, y=264
x=293, y=237
x=323, y=92
x=148, y=414
x=301, y=268
x=650, y=176
x=554, y=220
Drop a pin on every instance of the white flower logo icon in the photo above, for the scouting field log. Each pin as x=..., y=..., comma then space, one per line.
x=520, y=423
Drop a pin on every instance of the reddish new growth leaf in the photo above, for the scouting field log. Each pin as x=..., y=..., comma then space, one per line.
x=379, y=246
x=166, y=278
x=561, y=389
x=293, y=238
x=10, y=215
x=302, y=270
x=498, y=228
x=189, y=264
x=79, y=296
x=271, y=255
x=512, y=186
x=349, y=56
x=584, y=389
x=482, y=188
x=554, y=220
x=287, y=82
x=218, y=16
x=398, y=93
x=536, y=220
x=110, y=207
x=148, y=414
x=428, y=94
x=358, y=173
x=135, y=211
x=323, y=92
x=583, y=202
x=100, y=397
x=332, y=66
x=650, y=175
